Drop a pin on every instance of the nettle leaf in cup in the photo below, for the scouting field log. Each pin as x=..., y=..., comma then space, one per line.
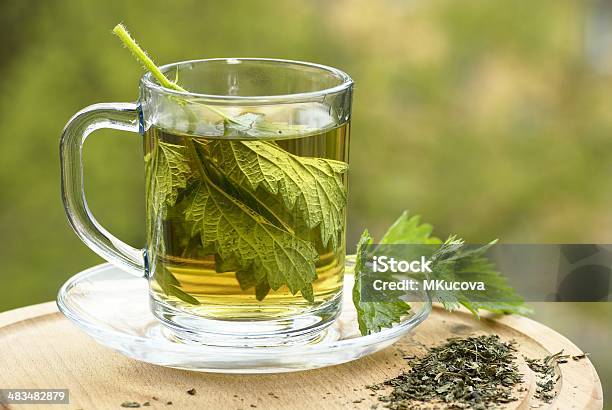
x=311, y=188
x=172, y=172
x=250, y=243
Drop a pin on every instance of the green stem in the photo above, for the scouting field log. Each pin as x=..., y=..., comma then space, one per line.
x=121, y=32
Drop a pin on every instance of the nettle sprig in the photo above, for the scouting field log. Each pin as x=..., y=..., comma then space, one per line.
x=451, y=260
x=263, y=202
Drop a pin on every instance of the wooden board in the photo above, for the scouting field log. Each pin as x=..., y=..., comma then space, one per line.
x=39, y=348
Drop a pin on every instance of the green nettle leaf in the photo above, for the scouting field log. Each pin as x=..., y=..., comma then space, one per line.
x=451, y=261
x=373, y=316
x=247, y=280
x=169, y=284
x=409, y=229
x=311, y=188
x=171, y=173
x=243, y=125
x=255, y=125
x=244, y=238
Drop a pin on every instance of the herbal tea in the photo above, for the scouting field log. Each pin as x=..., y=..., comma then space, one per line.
x=246, y=228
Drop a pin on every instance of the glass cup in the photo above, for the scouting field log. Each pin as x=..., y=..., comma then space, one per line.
x=246, y=191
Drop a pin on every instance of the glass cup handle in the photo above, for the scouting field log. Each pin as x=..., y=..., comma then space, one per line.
x=118, y=116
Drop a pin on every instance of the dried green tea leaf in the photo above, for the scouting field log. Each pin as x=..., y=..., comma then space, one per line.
x=547, y=375
x=475, y=372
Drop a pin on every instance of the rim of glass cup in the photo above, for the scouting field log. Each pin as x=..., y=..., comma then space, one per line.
x=345, y=82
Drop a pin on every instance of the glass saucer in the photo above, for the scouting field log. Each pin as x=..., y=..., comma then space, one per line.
x=112, y=306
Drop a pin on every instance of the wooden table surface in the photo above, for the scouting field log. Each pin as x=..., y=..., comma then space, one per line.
x=39, y=348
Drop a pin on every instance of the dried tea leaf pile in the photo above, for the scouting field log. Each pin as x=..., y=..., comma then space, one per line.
x=547, y=376
x=474, y=372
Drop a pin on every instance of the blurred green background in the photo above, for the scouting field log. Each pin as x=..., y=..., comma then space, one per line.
x=492, y=119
